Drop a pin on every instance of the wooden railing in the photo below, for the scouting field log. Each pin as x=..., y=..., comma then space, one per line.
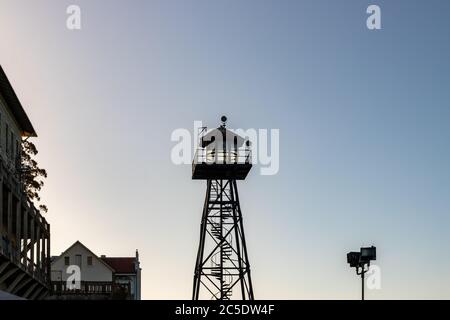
x=89, y=288
x=10, y=251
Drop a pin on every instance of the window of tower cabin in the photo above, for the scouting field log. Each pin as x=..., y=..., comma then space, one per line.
x=67, y=261
x=89, y=260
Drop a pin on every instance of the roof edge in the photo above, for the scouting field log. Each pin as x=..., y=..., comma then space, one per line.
x=13, y=103
x=79, y=242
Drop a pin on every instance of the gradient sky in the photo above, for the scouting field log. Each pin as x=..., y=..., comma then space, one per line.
x=363, y=118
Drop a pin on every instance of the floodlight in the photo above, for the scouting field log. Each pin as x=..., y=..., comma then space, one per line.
x=353, y=259
x=361, y=261
x=368, y=254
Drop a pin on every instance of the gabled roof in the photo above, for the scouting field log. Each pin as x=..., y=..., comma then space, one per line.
x=13, y=103
x=121, y=264
x=87, y=249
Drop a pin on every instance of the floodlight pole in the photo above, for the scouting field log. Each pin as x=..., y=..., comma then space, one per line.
x=362, y=284
x=362, y=273
x=359, y=260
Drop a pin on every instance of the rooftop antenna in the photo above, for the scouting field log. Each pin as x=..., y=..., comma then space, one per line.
x=224, y=121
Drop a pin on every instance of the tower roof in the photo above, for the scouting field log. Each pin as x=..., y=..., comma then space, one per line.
x=221, y=135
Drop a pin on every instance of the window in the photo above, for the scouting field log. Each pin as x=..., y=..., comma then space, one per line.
x=17, y=154
x=13, y=147
x=7, y=138
x=11, y=136
x=78, y=260
x=89, y=260
x=67, y=261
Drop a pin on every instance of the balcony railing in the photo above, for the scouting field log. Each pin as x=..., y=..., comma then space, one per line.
x=211, y=156
x=60, y=287
x=90, y=288
x=9, y=250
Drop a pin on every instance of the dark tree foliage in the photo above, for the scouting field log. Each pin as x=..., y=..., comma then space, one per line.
x=31, y=175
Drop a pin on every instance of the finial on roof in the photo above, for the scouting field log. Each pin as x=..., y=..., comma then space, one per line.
x=224, y=121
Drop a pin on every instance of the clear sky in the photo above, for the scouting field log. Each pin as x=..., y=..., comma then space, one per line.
x=363, y=118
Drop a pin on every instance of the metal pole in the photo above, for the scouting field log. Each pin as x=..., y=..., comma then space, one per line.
x=362, y=283
x=244, y=245
x=238, y=245
x=201, y=247
x=222, y=282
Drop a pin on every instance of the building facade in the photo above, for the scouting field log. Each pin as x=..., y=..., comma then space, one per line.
x=78, y=273
x=25, y=234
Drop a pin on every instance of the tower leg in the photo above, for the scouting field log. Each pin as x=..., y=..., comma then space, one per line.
x=244, y=246
x=198, y=269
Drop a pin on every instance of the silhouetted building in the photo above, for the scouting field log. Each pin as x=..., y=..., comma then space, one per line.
x=98, y=278
x=24, y=233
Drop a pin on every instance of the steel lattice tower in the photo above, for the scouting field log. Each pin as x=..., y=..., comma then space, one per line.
x=222, y=267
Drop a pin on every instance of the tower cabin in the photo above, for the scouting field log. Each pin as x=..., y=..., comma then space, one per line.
x=221, y=154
